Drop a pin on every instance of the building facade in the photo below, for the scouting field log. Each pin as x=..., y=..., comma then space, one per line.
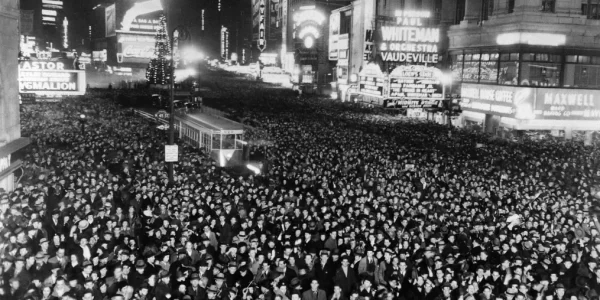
x=10, y=127
x=377, y=32
x=528, y=65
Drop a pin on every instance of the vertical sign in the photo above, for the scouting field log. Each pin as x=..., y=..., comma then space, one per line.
x=224, y=42
x=369, y=30
x=262, y=34
x=284, y=22
x=111, y=21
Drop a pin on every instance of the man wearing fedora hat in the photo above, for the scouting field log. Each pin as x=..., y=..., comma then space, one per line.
x=196, y=291
x=138, y=277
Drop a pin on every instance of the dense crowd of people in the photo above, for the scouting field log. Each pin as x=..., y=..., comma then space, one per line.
x=349, y=206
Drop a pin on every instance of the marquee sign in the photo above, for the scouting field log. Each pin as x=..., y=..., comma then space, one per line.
x=371, y=81
x=409, y=40
x=50, y=78
x=412, y=103
x=262, y=34
x=415, y=82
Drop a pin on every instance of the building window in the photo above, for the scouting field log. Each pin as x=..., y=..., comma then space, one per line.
x=540, y=69
x=591, y=9
x=487, y=8
x=471, y=65
x=511, y=6
x=489, y=68
x=457, y=66
x=548, y=5
x=345, y=23
x=582, y=71
x=509, y=69
x=460, y=11
x=437, y=12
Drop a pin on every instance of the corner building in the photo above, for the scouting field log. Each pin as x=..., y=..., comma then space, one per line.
x=528, y=65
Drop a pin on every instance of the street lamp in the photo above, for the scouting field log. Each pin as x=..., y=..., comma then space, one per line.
x=179, y=33
x=82, y=122
x=446, y=80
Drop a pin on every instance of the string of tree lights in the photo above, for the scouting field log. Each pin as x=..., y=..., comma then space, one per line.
x=158, y=71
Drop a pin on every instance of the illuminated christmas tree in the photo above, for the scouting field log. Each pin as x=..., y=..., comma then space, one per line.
x=159, y=71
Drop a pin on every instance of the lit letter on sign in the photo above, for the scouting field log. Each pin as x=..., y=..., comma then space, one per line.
x=262, y=39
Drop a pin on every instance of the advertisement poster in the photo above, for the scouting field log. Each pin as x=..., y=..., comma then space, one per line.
x=415, y=82
x=334, y=33
x=470, y=71
x=488, y=72
x=111, y=21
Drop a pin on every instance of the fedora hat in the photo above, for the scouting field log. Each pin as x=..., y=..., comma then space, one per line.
x=140, y=264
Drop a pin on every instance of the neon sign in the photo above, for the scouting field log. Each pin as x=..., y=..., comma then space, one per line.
x=408, y=41
x=309, y=30
x=138, y=9
x=66, y=33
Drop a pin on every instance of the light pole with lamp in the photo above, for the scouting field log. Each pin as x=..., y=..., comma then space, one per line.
x=179, y=33
x=446, y=80
x=82, y=122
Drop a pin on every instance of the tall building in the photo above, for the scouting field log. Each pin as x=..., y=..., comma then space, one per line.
x=528, y=65
x=10, y=129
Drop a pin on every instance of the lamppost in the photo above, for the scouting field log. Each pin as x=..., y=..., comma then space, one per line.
x=179, y=33
x=82, y=122
x=447, y=81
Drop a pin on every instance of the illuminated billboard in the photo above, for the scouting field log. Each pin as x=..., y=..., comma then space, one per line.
x=135, y=48
x=505, y=101
x=408, y=40
x=143, y=16
x=308, y=22
x=50, y=78
x=527, y=103
x=111, y=20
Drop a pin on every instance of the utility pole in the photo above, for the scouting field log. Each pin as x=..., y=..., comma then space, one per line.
x=179, y=33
